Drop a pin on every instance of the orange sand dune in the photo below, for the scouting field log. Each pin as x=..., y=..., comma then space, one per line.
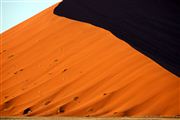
x=52, y=65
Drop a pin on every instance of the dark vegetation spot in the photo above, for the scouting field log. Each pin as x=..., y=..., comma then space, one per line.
x=11, y=56
x=65, y=70
x=46, y=103
x=90, y=110
x=87, y=115
x=125, y=113
x=16, y=73
x=6, y=97
x=115, y=112
x=104, y=94
x=56, y=60
x=76, y=98
x=26, y=111
x=61, y=109
x=21, y=70
x=4, y=50
x=7, y=105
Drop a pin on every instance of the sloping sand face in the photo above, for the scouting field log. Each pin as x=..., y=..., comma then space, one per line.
x=89, y=118
x=56, y=66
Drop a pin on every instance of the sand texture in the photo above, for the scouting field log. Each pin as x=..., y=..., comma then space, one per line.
x=52, y=65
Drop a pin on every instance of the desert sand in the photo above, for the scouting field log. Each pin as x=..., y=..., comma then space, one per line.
x=54, y=66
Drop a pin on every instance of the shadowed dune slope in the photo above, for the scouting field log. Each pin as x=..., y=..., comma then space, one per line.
x=52, y=65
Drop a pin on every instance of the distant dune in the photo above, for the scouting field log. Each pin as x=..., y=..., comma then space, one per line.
x=52, y=65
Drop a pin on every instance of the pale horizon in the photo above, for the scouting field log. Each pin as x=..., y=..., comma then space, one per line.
x=14, y=12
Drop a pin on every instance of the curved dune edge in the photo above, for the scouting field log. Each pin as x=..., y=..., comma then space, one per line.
x=52, y=65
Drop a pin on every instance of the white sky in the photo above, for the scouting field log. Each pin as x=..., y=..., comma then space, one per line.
x=14, y=12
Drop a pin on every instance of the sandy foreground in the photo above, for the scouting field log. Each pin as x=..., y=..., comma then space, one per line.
x=83, y=118
x=52, y=65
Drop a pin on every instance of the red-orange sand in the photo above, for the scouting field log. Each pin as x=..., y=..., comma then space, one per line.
x=52, y=65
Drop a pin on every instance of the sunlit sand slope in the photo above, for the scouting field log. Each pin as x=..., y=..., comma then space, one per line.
x=52, y=65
